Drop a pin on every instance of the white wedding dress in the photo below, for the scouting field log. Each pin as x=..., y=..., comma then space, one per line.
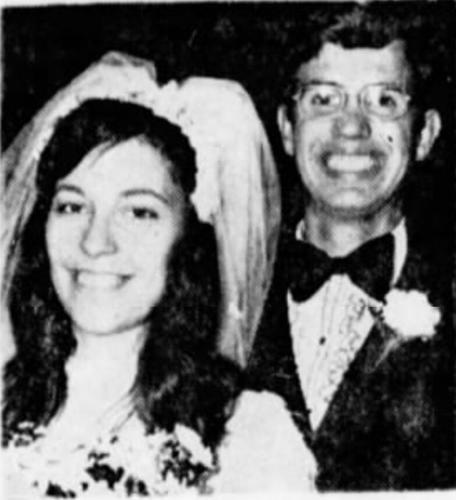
x=262, y=451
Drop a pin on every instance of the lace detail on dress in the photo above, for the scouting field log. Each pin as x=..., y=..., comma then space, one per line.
x=128, y=463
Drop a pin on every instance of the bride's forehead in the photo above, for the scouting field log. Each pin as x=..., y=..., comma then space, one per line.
x=131, y=160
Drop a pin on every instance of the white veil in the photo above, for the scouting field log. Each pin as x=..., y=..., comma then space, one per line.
x=237, y=185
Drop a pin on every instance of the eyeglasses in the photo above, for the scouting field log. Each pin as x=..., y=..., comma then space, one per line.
x=377, y=99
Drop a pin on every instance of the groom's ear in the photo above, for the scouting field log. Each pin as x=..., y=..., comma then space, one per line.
x=286, y=130
x=432, y=125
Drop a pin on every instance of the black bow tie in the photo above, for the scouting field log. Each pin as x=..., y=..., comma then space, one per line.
x=370, y=267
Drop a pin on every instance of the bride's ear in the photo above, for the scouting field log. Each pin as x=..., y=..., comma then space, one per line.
x=429, y=133
x=286, y=130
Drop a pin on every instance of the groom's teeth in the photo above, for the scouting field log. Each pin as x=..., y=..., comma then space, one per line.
x=98, y=280
x=350, y=163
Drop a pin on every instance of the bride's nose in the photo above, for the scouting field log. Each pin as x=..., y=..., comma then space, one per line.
x=98, y=237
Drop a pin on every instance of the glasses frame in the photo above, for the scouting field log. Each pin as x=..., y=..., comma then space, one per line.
x=361, y=97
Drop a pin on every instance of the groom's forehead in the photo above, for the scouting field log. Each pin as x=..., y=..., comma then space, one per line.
x=334, y=61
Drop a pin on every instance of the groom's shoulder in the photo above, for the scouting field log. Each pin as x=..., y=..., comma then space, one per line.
x=429, y=265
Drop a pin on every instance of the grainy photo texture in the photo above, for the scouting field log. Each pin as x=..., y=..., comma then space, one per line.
x=228, y=248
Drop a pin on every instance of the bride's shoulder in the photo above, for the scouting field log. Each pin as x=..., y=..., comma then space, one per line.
x=263, y=449
x=258, y=409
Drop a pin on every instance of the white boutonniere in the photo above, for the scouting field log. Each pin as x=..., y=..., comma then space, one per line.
x=410, y=314
x=405, y=315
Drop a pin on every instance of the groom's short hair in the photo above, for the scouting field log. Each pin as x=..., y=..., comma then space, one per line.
x=373, y=25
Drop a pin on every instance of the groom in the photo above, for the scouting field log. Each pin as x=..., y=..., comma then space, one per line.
x=370, y=385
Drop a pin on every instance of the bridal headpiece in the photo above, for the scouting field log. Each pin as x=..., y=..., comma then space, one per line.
x=237, y=187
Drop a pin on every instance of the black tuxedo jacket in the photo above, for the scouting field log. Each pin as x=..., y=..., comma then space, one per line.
x=391, y=423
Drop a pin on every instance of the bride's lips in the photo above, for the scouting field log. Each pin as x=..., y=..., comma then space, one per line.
x=98, y=279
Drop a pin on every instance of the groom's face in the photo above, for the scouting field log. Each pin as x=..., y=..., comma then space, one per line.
x=352, y=130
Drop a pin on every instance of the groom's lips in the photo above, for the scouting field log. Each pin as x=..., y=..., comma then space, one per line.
x=350, y=163
x=340, y=162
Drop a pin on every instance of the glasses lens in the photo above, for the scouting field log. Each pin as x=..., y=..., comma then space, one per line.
x=385, y=102
x=320, y=99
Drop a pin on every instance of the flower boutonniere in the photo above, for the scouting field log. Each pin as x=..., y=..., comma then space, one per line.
x=409, y=314
x=405, y=315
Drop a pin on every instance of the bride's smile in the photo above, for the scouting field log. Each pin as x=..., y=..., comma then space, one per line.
x=99, y=280
x=113, y=223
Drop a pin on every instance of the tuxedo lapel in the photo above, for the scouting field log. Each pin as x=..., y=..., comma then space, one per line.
x=272, y=365
x=353, y=391
x=385, y=393
x=351, y=394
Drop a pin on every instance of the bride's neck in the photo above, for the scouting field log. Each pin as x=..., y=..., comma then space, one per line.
x=108, y=349
x=101, y=374
x=107, y=364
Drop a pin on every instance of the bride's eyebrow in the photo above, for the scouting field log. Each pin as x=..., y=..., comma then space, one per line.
x=68, y=188
x=146, y=192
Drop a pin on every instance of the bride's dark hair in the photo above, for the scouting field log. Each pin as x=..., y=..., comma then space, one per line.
x=180, y=377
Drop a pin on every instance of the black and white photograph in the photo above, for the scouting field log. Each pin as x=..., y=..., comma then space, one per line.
x=228, y=248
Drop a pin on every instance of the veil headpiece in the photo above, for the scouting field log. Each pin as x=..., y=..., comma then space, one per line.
x=237, y=187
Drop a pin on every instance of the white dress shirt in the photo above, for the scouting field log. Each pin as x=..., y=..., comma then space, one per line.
x=329, y=329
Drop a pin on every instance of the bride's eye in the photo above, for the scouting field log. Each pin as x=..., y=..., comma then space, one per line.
x=62, y=207
x=141, y=213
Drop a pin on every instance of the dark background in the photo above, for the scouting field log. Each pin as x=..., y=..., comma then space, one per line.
x=45, y=47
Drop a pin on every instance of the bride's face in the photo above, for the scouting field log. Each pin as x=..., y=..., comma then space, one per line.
x=110, y=231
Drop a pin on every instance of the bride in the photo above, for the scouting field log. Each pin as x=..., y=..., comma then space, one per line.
x=115, y=291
